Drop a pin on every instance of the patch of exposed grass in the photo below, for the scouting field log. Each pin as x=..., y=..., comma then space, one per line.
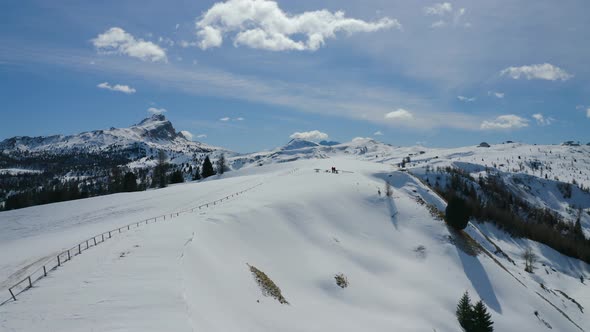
x=341, y=280
x=268, y=287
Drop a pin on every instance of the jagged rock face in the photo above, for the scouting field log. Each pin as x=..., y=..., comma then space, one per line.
x=157, y=127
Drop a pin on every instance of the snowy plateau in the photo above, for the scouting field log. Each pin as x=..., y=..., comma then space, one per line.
x=302, y=226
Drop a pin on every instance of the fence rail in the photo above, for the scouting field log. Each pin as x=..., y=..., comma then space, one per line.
x=67, y=255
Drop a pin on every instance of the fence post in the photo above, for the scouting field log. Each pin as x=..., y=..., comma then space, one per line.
x=79, y=248
x=128, y=227
x=87, y=245
x=94, y=238
x=102, y=235
x=11, y=293
x=119, y=229
x=109, y=234
x=44, y=271
x=58, y=261
x=69, y=257
x=30, y=282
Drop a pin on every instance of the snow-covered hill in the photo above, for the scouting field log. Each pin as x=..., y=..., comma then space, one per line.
x=406, y=270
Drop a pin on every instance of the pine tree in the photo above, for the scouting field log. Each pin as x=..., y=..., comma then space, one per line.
x=160, y=170
x=129, y=182
x=464, y=313
x=197, y=174
x=221, y=166
x=482, y=320
x=177, y=177
x=457, y=213
x=207, y=168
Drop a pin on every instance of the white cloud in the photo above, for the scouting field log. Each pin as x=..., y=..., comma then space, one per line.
x=444, y=10
x=544, y=71
x=439, y=9
x=496, y=94
x=186, y=44
x=202, y=136
x=154, y=110
x=438, y=24
x=542, y=120
x=227, y=118
x=314, y=135
x=116, y=40
x=400, y=114
x=466, y=99
x=588, y=113
x=187, y=134
x=360, y=139
x=262, y=24
x=509, y=121
x=378, y=133
x=117, y=87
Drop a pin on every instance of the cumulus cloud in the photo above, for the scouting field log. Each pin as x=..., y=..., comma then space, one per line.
x=542, y=120
x=262, y=24
x=314, y=135
x=224, y=119
x=117, y=87
x=187, y=134
x=154, y=110
x=466, y=99
x=400, y=114
x=202, y=136
x=445, y=12
x=545, y=71
x=360, y=139
x=378, y=133
x=509, y=121
x=116, y=40
x=496, y=94
x=439, y=9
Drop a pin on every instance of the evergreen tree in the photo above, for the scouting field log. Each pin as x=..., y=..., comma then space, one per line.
x=159, y=178
x=177, y=177
x=129, y=182
x=482, y=320
x=197, y=174
x=457, y=213
x=464, y=313
x=221, y=165
x=207, y=168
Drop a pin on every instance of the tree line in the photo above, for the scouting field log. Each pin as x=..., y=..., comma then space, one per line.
x=117, y=179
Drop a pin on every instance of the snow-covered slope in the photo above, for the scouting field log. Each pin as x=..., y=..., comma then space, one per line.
x=406, y=269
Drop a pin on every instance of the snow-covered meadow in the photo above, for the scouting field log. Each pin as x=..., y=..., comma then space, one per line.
x=406, y=269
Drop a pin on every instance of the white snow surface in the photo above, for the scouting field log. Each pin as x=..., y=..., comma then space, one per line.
x=300, y=227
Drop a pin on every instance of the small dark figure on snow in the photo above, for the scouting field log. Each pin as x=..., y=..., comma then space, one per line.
x=379, y=192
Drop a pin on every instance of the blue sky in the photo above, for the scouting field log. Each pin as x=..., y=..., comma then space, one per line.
x=403, y=72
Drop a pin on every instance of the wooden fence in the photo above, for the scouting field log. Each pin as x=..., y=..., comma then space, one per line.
x=67, y=255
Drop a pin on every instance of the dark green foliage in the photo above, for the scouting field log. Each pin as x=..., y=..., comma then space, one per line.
x=176, y=177
x=482, y=320
x=221, y=165
x=207, y=168
x=473, y=318
x=159, y=178
x=129, y=182
x=457, y=213
x=464, y=312
x=197, y=174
